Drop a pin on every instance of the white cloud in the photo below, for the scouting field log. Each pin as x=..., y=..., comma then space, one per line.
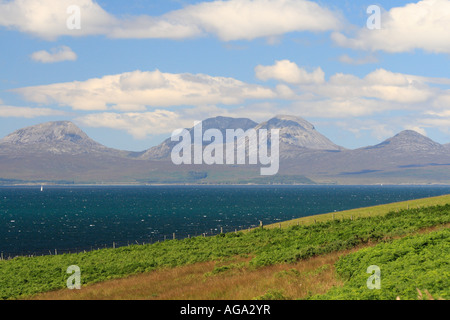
x=443, y=114
x=339, y=108
x=379, y=131
x=143, y=124
x=289, y=72
x=285, y=92
x=135, y=101
x=26, y=112
x=347, y=95
x=132, y=91
x=247, y=19
x=227, y=20
x=383, y=85
x=387, y=78
x=147, y=27
x=62, y=53
x=357, y=61
x=47, y=19
x=343, y=95
x=422, y=25
x=139, y=125
x=418, y=129
x=443, y=124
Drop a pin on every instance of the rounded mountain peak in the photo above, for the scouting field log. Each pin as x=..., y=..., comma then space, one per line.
x=409, y=140
x=296, y=131
x=48, y=132
x=287, y=120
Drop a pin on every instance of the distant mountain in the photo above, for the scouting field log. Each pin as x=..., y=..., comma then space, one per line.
x=164, y=150
x=408, y=157
x=296, y=135
x=60, y=152
x=60, y=137
x=409, y=141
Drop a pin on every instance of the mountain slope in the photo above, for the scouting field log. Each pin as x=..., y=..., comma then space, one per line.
x=408, y=157
x=298, y=133
x=60, y=137
x=163, y=150
x=409, y=141
x=61, y=152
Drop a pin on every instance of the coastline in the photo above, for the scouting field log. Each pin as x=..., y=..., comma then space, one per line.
x=213, y=184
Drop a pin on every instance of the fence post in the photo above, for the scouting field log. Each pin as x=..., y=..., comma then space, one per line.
x=174, y=236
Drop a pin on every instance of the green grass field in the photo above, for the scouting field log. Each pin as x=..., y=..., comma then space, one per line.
x=264, y=247
x=414, y=262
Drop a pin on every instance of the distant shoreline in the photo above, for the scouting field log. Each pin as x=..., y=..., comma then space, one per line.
x=213, y=184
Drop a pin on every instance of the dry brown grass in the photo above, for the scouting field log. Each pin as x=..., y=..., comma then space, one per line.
x=195, y=282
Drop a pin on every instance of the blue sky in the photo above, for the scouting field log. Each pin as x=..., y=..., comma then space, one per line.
x=137, y=70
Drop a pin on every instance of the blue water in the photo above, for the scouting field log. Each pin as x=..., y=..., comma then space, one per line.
x=84, y=218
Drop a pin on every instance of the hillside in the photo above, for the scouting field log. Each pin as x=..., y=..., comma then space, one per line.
x=163, y=150
x=57, y=138
x=242, y=252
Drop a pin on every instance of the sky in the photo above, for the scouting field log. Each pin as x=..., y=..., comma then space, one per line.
x=128, y=73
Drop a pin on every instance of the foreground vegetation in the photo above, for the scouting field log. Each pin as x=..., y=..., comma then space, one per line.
x=22, y=277
x=408, y=266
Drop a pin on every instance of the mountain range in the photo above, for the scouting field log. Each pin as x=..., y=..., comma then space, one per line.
x=61, y=153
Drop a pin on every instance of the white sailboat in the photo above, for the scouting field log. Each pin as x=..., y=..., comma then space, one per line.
x=42, y=188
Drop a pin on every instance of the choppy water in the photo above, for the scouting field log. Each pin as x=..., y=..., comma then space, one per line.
x=83, y=218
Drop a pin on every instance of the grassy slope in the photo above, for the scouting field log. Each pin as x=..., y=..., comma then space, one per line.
x=234, y=278
x=24, y=276
x=366, y=212
x=414, y=262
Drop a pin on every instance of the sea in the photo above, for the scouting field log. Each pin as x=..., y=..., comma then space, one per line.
x=63, y=219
